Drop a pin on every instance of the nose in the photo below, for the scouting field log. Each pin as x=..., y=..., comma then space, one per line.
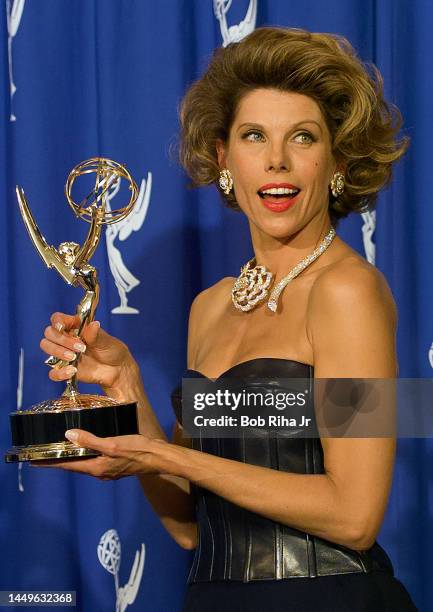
x=277, y=158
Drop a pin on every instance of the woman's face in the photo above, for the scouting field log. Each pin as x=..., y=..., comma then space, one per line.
x=279, y=141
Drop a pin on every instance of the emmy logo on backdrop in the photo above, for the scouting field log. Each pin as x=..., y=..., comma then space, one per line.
x=14, y=11
x=109, y=555
x=125, y=281
x=367, y=235
x=237, y=32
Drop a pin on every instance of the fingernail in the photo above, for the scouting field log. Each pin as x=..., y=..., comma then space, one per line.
x=71, y=435
x=69, y=355
x=59, y=326
x=80, y=347
x=70, y=370
x=97, y=323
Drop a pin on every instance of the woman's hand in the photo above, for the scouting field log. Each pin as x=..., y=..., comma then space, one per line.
x=104, y=359
x=121, y=456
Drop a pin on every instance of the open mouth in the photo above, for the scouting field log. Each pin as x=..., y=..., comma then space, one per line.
x=278, y=194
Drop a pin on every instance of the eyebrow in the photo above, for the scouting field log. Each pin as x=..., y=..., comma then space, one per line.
x=295, y=125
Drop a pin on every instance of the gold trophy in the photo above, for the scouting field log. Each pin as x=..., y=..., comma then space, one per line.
x=39, y=433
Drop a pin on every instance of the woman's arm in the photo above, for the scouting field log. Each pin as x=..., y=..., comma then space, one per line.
x=352, y=323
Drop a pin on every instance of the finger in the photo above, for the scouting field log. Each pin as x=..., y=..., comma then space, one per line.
x=63, y=339
x=59, y=374
x=64, y=322
x=90, y=333
x=79, y=437
x=57, y=351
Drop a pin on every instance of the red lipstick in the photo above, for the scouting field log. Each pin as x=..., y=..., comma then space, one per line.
x=276, y=185
x=278, y=202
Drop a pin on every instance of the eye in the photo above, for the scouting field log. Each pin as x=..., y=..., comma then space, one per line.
x=304, y=138
x=253, y=136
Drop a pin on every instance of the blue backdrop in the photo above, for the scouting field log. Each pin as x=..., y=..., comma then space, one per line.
x=82, y=78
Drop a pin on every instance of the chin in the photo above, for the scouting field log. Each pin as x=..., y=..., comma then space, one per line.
x=278, y=229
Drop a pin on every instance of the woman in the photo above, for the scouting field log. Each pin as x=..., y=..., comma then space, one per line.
x=297, y=135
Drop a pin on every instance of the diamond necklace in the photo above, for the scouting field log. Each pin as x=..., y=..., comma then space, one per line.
x=252, y=285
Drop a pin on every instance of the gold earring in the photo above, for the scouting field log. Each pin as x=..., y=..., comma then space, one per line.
x=337, y=184
x=226, y=181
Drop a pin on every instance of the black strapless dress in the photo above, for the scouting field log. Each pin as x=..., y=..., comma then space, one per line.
x=245, y=562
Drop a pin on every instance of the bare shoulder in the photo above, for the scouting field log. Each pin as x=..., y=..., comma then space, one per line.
x=350, y=281
x=352, y=320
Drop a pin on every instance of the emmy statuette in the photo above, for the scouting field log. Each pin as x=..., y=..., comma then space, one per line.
x=39, y=432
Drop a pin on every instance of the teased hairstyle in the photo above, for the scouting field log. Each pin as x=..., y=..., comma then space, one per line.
x=363, y=126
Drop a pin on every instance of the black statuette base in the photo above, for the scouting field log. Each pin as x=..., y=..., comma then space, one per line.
x=41, y=435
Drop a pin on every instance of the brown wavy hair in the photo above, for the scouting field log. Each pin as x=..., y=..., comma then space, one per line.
x=363, y=126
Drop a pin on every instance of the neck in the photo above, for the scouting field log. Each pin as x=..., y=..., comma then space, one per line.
x=280, y=255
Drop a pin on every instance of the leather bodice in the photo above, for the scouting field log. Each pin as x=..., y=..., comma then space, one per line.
x=236, y=544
